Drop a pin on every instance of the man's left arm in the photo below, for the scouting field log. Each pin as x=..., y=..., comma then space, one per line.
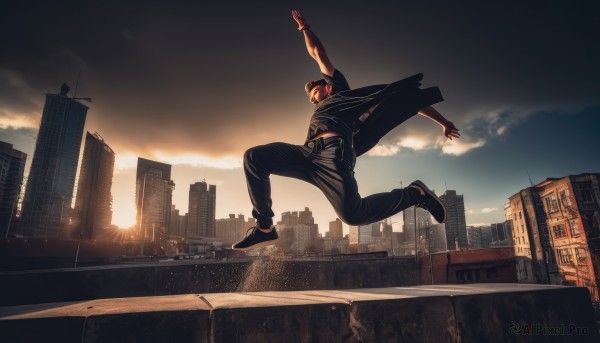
x=449, y=129
x=314, y=46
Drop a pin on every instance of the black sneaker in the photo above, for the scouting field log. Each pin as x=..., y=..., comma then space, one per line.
x=431, y=202
x=256, y=239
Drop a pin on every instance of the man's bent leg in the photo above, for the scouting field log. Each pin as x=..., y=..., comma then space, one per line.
x=262, y=161
x=336, y=180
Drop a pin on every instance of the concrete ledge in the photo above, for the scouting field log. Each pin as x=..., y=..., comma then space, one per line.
x=179, y=318
x=264, y=274
x=444, y=313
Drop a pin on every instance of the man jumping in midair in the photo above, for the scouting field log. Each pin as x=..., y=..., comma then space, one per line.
x=346, y=124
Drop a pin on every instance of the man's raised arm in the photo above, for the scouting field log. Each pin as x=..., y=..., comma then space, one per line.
x=313, y=45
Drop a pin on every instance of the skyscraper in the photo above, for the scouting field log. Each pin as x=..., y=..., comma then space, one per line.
x=93, y=203
x=361, y=235
x=298, y=231
x=422, y=218
x=231, y=229
x=456, y=226
x=201, y=213
x=305, y=217
x=12, y=166
x=154, y=194
x=438, y=238
x=336, y=229
x=288, y=219
x=176, y=225
x=49, y=192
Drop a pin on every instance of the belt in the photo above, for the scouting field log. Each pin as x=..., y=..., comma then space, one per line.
x=320, y=143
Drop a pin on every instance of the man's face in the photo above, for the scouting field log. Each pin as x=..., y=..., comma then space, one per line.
x=319, y=93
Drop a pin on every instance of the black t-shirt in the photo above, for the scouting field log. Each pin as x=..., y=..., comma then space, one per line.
x=327, y=115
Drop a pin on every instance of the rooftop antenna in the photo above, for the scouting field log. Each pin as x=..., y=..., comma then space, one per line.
x=76, y=87
x=530, y=181
x=77, y=83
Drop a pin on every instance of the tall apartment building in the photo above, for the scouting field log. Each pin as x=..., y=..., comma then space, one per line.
x=387, y=229
x=177, y=227
x=298, y=231
x=422, y=218
x=479, y=236
x=335, y=245
x=456, y=226
x=12, y=166
x=438, y=238
x=336, y=229
x=306, y=217
x=362, y=234
x=154, y=196
x=556, y=231
x=231, y=230
x=93, y=202
x=201, y=213
x=288, y=219
x=501, y=234
x=49, y=192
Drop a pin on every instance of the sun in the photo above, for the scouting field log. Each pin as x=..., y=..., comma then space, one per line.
x=124, y=216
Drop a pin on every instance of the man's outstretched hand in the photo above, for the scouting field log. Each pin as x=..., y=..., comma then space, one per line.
x=299, y=19
x=450, y=130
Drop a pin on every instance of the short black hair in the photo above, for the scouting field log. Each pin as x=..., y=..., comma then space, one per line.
x=312, y=84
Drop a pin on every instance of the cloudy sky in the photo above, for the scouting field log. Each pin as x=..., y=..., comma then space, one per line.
x=196, y=84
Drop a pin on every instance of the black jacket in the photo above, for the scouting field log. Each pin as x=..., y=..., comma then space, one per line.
x=403, y=100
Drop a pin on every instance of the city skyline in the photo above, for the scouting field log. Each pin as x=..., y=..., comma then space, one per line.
x=512, y=76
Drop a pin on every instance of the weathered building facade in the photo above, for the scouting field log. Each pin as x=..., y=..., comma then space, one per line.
x=556, y=231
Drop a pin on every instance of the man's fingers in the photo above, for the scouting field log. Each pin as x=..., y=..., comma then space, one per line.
x=452, y=133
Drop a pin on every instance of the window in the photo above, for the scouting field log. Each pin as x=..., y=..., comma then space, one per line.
x=520, y=217
x=565, y=198
x=585, y=189
x=563, y=256
x=580, y=255
x=551, y=203
x=559, y=231
x=574, y=227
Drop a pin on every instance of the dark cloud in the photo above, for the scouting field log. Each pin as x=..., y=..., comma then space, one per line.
x=15, y=94
x=216, y=78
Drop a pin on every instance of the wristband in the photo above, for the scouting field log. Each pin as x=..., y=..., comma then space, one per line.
x=305, y=27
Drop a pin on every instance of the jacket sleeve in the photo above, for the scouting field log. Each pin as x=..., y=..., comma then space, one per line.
x=397, y=102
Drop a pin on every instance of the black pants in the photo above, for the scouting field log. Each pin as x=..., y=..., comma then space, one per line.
x=327, y=163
